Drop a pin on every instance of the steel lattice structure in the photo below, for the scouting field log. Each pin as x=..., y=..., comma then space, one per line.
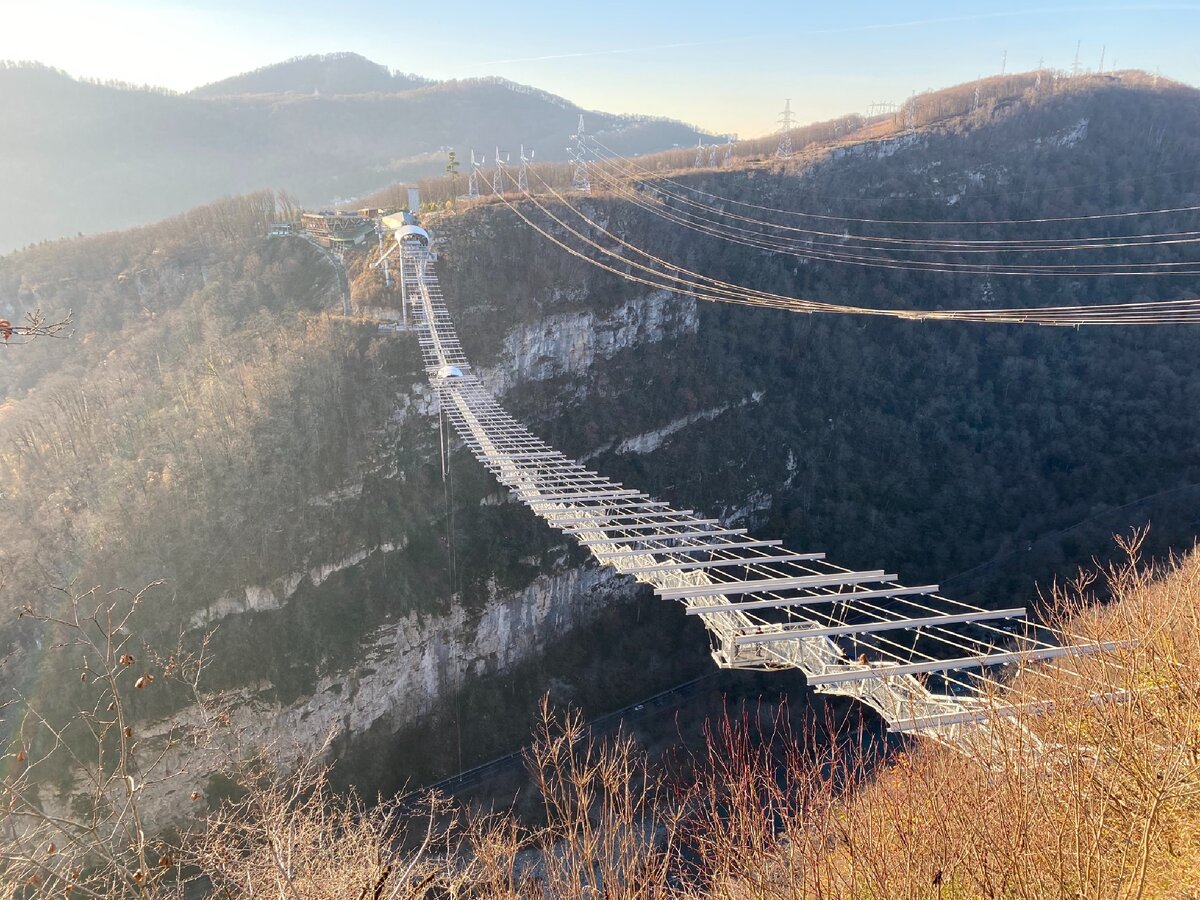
x=915, y=656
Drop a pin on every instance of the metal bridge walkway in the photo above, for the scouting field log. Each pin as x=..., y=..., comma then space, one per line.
x=914, y=656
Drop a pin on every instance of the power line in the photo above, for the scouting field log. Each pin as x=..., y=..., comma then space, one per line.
x=841, y=249
x=959, y=245
x=660, y=274
x=939, y=222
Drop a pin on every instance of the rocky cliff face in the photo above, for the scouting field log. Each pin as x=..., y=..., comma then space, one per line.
x=405, y=672
x=399, y=671
x=568, y=345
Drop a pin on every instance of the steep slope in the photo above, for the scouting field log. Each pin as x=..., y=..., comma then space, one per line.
x=281, y=471
x=932, y=438
x=84, y=157
x=278, y=472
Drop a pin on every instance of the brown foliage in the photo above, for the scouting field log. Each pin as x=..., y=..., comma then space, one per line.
x=1093, y=794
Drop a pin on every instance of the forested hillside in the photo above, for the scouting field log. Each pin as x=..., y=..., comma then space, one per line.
x=279, y=470
x=87, y=157
x=946, y=442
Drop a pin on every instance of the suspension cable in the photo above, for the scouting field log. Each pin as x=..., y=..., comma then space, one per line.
x=681, y=280
x=937, y=222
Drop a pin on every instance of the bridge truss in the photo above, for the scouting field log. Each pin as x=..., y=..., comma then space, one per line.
x=920, y=659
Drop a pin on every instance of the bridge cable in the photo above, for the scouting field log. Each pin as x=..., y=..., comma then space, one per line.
x=804, y=248
x=948, y=222
x=1151, y=312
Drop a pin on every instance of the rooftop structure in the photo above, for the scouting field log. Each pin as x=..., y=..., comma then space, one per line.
x=339, y=229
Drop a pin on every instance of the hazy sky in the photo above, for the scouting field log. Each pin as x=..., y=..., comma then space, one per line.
x=727, y=66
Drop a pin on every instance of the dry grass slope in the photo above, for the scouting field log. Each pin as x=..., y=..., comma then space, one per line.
x=1109, y=807
x=1096, y=795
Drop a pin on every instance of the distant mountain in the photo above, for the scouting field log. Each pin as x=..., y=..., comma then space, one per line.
x=84, y=157
x=330, y=73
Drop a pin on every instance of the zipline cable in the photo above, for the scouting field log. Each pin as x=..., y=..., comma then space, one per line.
x=803, y=250
x=994, y=245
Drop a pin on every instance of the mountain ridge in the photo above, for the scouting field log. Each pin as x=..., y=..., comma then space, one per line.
x=329, y=73
x=84, y=156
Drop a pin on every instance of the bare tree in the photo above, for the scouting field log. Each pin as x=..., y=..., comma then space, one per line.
x=35, y=325
x=95, y=841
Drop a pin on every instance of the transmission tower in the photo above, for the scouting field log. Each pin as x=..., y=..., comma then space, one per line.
x=712, y=155
x=787, y=121
x=1075, y=65
x=729, y=149
x=580, y=181
x=523, y=172
x=473, y=179
x=498, y=180
x=699, y=153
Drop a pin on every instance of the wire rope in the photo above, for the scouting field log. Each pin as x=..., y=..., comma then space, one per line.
x=805, y=250
x=705, y=287
x=1011, y=245
x=938, y=222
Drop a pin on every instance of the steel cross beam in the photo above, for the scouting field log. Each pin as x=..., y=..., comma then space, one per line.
x=806, y=599
x=765, y=585
x=963, y=662
x=787, y=633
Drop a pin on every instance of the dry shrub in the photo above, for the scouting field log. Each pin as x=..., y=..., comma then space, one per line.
x=1127, y=732
x=763, y=805
x=290, y=836
x=609, y=828
x=1095, y=794
x=75, y=791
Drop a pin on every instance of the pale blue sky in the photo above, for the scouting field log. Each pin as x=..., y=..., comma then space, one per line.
x=726, y=66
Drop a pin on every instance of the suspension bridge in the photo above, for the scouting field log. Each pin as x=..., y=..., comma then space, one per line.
x=927, y=663
x=900, y=649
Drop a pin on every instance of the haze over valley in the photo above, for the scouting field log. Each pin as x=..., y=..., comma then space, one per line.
x=88, y=157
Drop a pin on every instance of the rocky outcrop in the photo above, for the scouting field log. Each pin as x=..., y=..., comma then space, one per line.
x=649, y=441
x=405, y=672
x=264, y=597
x=570, y=343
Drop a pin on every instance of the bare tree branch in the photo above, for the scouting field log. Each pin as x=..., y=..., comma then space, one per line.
x=35, y=325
